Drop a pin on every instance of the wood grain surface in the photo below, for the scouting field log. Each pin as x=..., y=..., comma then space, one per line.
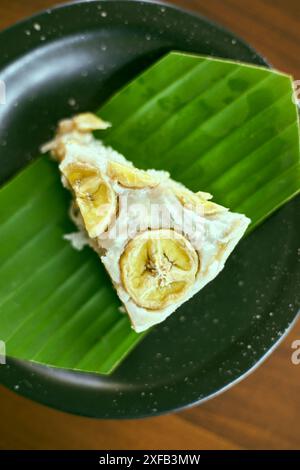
x=263, y=411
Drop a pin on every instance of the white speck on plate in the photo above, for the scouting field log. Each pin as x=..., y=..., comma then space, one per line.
x=37, y=26
x=72, y=102
x=104, y=14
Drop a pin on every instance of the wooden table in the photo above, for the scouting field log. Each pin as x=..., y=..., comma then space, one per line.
x=261, y=412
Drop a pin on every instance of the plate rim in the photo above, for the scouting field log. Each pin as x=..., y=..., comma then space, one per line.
x=189, y=11
x=221, y=28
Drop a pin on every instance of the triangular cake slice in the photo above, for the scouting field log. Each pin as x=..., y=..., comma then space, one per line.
x=160, y=242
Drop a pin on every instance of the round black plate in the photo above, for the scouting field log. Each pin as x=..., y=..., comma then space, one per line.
x=70, y=59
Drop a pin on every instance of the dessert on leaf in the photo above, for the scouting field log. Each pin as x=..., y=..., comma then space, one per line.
x=159, y=242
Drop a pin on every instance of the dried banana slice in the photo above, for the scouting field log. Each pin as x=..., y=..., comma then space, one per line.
x=198, y=202
x=77, y=129
x=131, y=177
x=94, y=196
x=88, y=122
x=158, y=267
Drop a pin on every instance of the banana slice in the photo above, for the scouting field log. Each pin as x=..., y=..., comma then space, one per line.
x=211, y=208
x=158, y=267
x=199, y=202
x=131, y=177
x=77, y=129
x=204, y=195
x=95, y=197
x=88, y=122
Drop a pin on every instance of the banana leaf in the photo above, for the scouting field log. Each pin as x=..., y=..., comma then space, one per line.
x=57, y=306
x=227, y=128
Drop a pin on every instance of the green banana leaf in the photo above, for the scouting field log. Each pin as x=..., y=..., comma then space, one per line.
x=57, y=305
x=224, y=127
x=227, y=128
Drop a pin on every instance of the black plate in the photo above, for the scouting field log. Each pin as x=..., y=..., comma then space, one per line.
x=72, y=58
